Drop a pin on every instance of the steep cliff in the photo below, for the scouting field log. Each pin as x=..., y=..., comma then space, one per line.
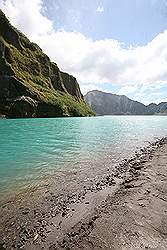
x=30, y=84
x=110, y=104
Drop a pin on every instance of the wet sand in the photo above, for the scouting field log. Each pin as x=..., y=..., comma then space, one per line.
x=124, y=208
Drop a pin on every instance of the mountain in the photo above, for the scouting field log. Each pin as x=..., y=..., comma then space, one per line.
x=30, y=84
x=157, y=108
x=110, y=104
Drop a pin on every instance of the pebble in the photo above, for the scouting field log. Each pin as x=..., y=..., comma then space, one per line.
x=61, y=201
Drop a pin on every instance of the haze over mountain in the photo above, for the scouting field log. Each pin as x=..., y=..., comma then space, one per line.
x=111, y=104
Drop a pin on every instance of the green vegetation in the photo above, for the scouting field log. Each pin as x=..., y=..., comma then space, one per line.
x=57, y=93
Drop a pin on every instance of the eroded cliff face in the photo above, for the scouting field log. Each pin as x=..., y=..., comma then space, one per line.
x=30, y=84
x=71, y=85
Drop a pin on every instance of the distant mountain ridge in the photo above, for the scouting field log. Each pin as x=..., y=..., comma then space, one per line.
x=111, y=104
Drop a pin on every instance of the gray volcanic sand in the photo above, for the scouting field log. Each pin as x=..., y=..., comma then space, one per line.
x=124, y=209
x=136, y=216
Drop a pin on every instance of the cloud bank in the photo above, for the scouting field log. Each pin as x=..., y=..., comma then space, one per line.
x=132, y=69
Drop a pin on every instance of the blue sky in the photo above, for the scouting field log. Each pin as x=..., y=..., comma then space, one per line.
x=129, y=21
x=118, y=46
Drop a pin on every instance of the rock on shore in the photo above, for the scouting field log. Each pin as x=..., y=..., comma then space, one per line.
x=125, y=208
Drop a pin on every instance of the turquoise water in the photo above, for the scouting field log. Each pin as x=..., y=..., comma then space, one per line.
x=33, y=148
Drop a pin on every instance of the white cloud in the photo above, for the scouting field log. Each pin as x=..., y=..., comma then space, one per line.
x=106, y=60
x=27, y=16
x=100, y=61
x=100, y=9
x=88, y=87
x=144, y=93
x=147, y=99
x=128, y=89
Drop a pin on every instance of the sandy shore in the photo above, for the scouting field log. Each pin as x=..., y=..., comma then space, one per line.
x=121, y=209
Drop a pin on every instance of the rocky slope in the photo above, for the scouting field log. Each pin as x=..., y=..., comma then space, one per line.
x=110, y=104
x=30, y=84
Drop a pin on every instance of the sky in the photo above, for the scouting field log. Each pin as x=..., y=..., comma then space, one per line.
x=117, y=46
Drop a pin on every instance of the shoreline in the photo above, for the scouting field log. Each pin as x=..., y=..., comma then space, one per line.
x=57, y=219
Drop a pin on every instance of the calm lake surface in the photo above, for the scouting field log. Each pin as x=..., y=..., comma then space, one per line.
x=31, y=149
